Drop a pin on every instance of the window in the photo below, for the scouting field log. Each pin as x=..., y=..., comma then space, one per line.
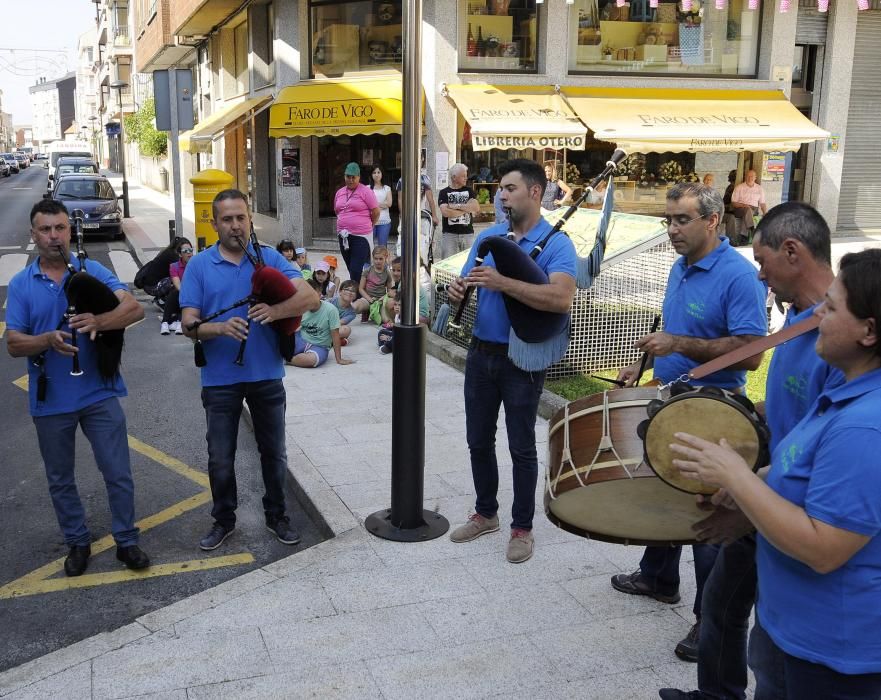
x=240, y=54
x=498, y=35
x=263, y=39
x=637, y=38
x=352, y=37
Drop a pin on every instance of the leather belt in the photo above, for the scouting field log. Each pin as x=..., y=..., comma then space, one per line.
x=489, y=348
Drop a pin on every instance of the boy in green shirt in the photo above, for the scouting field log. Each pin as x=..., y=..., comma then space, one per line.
x=319, y=332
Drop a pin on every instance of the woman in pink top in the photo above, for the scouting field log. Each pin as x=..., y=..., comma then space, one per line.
x=171, y=312
x=356, y=210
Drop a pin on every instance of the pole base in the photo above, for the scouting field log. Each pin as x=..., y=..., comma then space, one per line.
x=433, y=526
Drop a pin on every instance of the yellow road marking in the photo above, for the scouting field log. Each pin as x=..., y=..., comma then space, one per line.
x=22, y=587
x=107, y=542
x=22, y=382
x=2, y=328
x=165, y=460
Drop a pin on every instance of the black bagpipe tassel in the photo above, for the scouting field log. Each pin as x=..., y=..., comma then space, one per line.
x=199, y=354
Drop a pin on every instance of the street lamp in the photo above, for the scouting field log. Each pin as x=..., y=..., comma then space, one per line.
x=97, y=154
x=119, y=86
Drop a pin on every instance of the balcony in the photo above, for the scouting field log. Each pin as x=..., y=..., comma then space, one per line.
x=199, y=17
x=121, y=37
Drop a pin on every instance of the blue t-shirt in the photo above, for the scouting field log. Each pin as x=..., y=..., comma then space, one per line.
x=492, y=324
x=718, y=296
x=796, y=376
x=35, y=305
x=213, y=283
x=830, y=464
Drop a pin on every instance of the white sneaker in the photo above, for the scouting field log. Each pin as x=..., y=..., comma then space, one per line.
x=163, y=329
x=176, y=328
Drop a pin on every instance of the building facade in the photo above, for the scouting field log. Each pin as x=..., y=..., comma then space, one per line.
x=262, y=70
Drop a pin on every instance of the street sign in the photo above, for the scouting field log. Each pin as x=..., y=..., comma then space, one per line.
x=112, y=128
x=183, y=97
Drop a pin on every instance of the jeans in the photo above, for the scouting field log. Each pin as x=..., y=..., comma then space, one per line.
x=728, y=596
x=380, y=234
x=103, y=424
x=659, y=568
x=223, y=408
x=356, y=256
x=453, y=243
x=171, y=311
x=492, y=380
x=780, y=676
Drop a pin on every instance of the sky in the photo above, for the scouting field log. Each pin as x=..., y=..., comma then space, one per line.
x=53, y=26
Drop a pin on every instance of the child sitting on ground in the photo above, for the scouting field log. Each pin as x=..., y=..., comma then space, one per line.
x=376, y=281
x=331, y=273
x=320, y=331
x=346, y=303
x=321, y=274
x=394, y=295
x=302, y=261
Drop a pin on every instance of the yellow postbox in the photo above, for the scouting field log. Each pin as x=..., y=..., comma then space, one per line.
x=206, y=184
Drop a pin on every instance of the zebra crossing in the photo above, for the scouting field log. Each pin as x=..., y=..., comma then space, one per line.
x=13, y=259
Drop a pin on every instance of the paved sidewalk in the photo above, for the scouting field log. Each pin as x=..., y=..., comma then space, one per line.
x=361, y=617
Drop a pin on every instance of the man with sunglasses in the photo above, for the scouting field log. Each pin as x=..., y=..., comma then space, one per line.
x=714, y=303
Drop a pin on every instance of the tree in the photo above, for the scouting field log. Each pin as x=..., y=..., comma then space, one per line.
x=139, y=127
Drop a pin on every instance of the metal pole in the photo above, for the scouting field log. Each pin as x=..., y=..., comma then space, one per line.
x=175, y=152
x=406, y=520
x=125, y=210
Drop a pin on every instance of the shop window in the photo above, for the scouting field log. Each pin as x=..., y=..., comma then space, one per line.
x=335, y=152
x=498, y=35
x=636, y=38
x=354, y=37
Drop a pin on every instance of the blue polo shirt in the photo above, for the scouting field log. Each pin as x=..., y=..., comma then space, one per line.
x=492, y=324
x=35, y=305
x=719, y=295
x=213, y=283
x=796, y=376
x=830, y=464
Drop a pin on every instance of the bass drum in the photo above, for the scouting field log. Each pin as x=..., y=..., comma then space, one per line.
x=597, y=483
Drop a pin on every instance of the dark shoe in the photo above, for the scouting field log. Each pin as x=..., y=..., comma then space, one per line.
x=281, y=528
x=215, y=537
x=687, y=648
x=674, y=694
x=133, y=557
x=634, y=585
x=77, y=560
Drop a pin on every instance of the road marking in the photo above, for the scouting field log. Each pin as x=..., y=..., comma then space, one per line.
x=124, y=265
x=22, y=383
x=22, y=188
x=10, y=247
x=10, y=265
x=2, y=328
x=31, y=246
x=22, y=588
x=165, y=460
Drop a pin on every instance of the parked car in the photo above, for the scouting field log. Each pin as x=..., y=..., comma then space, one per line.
x=69, y=165
x=4, y=169
x=11, y=161
x=95, y=196
x=23, y=160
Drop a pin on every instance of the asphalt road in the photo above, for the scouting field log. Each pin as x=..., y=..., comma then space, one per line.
x=39, y=611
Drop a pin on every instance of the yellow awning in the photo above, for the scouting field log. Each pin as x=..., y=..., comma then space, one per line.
x=199, y=138
x=511, y=116
x=333, y=107
x=654, y=120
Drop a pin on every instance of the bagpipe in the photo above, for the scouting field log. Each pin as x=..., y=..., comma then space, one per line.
x=538, y=338
x=268, y=286
x=85, y=294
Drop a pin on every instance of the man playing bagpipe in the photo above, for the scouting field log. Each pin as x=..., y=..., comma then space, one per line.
x=66, y=314
x=518, y=309
x=242, y=357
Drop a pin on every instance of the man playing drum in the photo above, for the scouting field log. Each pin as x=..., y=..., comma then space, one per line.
x=61, y=399
x=792, y=247
x=713, y=304
x=491, y=378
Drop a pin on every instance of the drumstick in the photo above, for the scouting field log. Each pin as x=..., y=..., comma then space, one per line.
x=645, y=356
x=616, y=382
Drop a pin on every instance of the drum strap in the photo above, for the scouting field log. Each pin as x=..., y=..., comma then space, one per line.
x=754, y=348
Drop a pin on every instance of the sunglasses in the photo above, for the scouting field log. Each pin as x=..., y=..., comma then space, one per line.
x=186, y=250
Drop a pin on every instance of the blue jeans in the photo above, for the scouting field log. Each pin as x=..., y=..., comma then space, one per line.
x=356, y=256
x=223, y=408
x=659, y=568
x=103, y=424
x=781, y=676
x=728, y=596
x=491, y=380
x=380, y=233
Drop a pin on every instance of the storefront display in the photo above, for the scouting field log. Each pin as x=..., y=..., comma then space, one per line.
x=498, y=35
x=689, y=37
